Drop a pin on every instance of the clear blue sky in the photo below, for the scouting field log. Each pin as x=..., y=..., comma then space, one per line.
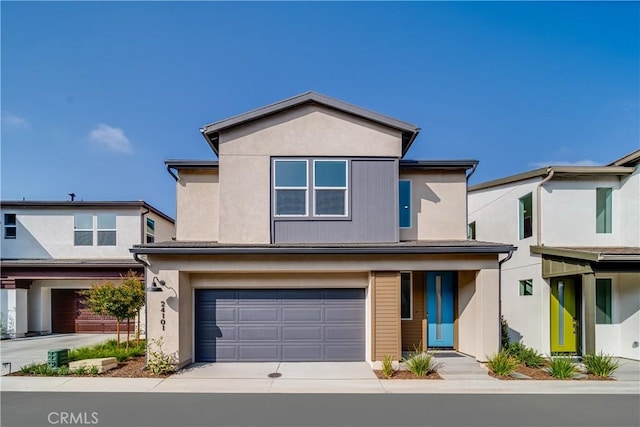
x=95, y=96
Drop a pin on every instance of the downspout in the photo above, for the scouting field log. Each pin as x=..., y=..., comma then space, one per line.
x=473, y=169
x=550, y=172
x=172, y=173
x=500, y=294
x=146, y=306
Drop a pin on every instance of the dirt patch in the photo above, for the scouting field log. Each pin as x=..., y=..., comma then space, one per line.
x=541, y=374
x=132, y=368
x=407, y=375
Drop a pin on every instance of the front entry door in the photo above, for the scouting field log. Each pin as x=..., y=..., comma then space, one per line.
x=564, y=323
x=440, y=309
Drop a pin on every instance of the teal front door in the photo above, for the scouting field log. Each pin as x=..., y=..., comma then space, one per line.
x=440, y=309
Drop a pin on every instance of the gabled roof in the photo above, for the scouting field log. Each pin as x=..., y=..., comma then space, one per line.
x=211, y=132
x=67, y=204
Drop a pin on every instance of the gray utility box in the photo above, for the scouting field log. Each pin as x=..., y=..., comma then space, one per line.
x=58, y=357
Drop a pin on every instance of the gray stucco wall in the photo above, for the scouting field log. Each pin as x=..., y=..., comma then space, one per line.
x=373, y=208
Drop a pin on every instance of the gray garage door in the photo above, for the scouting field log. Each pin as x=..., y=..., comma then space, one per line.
x=280, y=325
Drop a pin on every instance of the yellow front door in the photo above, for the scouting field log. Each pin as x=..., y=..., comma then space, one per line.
x=564, y=323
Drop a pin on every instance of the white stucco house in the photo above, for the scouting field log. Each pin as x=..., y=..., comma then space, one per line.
x=573, y=286
x=53, y=249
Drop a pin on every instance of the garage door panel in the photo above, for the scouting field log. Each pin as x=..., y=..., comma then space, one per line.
x=287, y=325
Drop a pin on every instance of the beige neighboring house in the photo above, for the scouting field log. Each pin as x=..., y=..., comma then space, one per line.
x=312, y=239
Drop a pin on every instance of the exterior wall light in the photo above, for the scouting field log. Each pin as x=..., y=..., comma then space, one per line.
x=156, y=285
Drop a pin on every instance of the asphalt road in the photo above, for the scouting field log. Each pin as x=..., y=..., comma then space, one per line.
x=169, y=409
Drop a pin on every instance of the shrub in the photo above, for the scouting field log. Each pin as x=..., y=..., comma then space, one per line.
x=387, y=367
x=64, y=370
x=562, y=367
x=45, y=370
x=504, y=332
x=526, y=355
x=601, y=365
x=107, y=349
x=421, y=363
x=94, y=370
x=81, y=370
x=29, y=369
x=502, y=364
x=160, y=363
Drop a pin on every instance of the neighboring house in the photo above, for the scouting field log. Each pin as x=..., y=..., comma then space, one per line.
x=51, y=250
x=573, y=286
x=310, y=239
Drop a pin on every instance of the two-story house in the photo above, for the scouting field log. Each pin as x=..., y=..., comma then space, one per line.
x=311, y=239
x=573, y=286
x=51, y=250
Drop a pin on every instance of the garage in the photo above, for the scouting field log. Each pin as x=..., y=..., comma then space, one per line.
x=264, y=325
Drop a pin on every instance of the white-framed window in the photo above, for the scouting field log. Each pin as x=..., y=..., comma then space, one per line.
x=106, y=229
x=526, y=287
x=10, y=227
x=83, y=229
x=151, y=230
x=406, y=295
x=330, y=187
x=291, y=184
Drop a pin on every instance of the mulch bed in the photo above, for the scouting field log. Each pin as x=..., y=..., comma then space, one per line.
x=407, y=375
x=539, y=374
x=132, y=368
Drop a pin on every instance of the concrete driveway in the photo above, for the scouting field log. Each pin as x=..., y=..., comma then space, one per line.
x=23, y=351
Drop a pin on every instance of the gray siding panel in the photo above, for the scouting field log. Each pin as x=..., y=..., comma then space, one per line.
x=309, y=325
x=374, y=199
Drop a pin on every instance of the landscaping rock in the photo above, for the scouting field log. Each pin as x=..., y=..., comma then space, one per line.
x=104, y=364
x=519, y=376
x=579, y=376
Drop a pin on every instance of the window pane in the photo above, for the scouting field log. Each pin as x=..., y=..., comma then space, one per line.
x=603, y=210
x=106, y=221
x=291, y=174
x=526, y=216
x=526, y=287
x=10, y=232
x=83, y=221
x=472, y=231
x=404, y=214
x=106, y=238
x=83, y=238
x=291, y=202
x=405, y=295
x=603, y=301
x=330, y=202
x=330, y=174
x=151, y=226
x=150, y=238
x=9, y=219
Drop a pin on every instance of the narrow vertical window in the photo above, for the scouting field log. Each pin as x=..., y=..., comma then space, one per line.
x=603, y=210
x=406, y=296
x=291, y=186
x=526, y=287
x=83, y=229
x=404, y=193
x=603, y=302
x=151, y=230
x=526, y=216
x=10, y=231
x=106, y=229
x=471, y=231
x=330, y=187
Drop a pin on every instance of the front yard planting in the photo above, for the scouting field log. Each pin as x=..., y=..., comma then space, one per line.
x=418, y=365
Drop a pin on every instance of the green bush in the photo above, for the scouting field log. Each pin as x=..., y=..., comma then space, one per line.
x=80, y=370
x=562, y=367
x=502, y=364
x=107, y=349
x=601, y=365
x=504, y=332
x=421, y=363
x=160, y=363
x=29, y=369
x=526, y=355
x=387, y=366
x=94, y=370
x=64, y=370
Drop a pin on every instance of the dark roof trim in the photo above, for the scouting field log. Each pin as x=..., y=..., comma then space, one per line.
x=6, y=263
x=192, y=164
x=559, y=171
x=211, y=132
x=437, y=164
x=370, y=250
x=83, y=204
x=587, y=255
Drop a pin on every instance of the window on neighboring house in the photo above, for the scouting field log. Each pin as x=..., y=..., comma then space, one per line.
x=151, y=230
x=603, y=302
x=291, y=185
x=107, y=229
x=404, y=193
x=526, y=287
x=603, y=210
x=526, y=216
x=330, y=187
x=471, y=231
x=83, y=229
x=406, y=296
x=10, y=226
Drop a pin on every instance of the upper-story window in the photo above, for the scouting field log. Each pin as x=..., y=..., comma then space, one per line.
x=404, y=203
x=327, y=192
x=151, y=230
x=471, y=231
x=84, y=229
x=10, y=226
x=526, y=216
x=603, y=210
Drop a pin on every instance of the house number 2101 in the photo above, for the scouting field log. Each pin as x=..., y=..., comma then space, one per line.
x=162, y=310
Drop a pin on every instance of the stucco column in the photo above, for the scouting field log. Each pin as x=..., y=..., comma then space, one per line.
x=487, y=313
x=589, y=298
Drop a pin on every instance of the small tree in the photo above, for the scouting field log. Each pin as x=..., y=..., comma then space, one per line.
x=134, y=288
